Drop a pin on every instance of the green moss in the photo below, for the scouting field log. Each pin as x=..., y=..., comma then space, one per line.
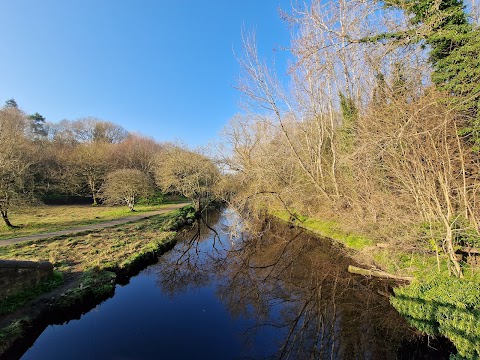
x=14, y=302
x=329, y=229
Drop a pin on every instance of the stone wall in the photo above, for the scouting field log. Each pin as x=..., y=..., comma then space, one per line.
x=16, y=276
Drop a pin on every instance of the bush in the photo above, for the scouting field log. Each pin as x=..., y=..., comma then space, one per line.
x=444, y=305
x=155, y=199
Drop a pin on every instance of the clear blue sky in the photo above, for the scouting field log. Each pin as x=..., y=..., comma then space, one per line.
x=162, y=68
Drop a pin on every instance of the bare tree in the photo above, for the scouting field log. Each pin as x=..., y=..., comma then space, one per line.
x=15, y=160
x=187, y=172
x=90, y=163
x=126, y=186
x=87, y=130
x=419, y=158
x=138, y=152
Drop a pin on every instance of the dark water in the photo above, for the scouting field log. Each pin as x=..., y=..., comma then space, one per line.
x=280, y=294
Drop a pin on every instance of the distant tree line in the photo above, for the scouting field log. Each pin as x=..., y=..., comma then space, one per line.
x=90, y=158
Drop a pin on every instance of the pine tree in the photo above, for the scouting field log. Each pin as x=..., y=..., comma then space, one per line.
x=37, y=125
x=454, y=52
x=11, y=103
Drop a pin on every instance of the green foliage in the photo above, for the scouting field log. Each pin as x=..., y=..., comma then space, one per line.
x=444, y=305
x=11, y=103
x=349, y=116
x=459, y=75
x=454, y=52
x=157, y=198
x=179, y=218
x=399, y=80
x=14, y=302
x=329, y=229
x=11, y=332
x=94, y=284
x=37, y=125
x=464, y=234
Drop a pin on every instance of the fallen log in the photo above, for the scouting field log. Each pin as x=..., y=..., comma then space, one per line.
x=377, y=273
x=470, y=250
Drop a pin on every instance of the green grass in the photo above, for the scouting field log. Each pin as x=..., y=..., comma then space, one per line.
x=38, y=219
x=11, y=332
x=329, y=229
x=108, y=248
x=94, y=284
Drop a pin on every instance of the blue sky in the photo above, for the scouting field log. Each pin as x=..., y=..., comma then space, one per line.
x=162, y=68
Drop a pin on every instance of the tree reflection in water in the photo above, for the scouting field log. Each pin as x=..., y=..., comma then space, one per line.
x=286, y=279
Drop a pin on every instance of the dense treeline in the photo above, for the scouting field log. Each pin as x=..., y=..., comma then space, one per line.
x=90, y=159
x=377, y=129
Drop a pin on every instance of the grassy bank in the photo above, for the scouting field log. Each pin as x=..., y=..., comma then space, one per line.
x=434, y=303
x=46, y=218
x=329, y=229
x=419, y=264
x=92, y=263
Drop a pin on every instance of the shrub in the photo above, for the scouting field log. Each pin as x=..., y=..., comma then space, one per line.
x=444, y=305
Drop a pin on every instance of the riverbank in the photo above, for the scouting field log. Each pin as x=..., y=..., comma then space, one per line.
x=90, y=265
x=434, y=303
x=367, y=251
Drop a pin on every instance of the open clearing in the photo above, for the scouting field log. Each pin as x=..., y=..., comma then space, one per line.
x=48, y=218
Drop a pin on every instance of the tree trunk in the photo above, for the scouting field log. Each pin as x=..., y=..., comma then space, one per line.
x=5, y=218
x=451, y=253
x=130, y=203
x=93, y=190
x=377, y=273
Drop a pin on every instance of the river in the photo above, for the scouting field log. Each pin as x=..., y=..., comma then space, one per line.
x=279, y=294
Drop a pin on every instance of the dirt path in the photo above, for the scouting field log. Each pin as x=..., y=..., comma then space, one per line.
x=91, y=227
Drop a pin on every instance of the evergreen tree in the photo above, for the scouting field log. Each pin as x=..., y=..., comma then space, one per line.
x=379, y=92
x=454, y=51
x=349, y=117
x=11, y=103
x=37, y=125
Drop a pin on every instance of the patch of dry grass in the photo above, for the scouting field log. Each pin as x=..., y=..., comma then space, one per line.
x=38, y=219
x=108, y=248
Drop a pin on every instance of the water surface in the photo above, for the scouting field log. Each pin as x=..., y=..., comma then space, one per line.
x=280, y=294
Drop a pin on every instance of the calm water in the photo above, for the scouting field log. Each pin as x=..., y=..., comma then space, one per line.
x=278, y=294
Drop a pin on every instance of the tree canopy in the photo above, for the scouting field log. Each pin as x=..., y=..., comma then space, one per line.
x=188, y=173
